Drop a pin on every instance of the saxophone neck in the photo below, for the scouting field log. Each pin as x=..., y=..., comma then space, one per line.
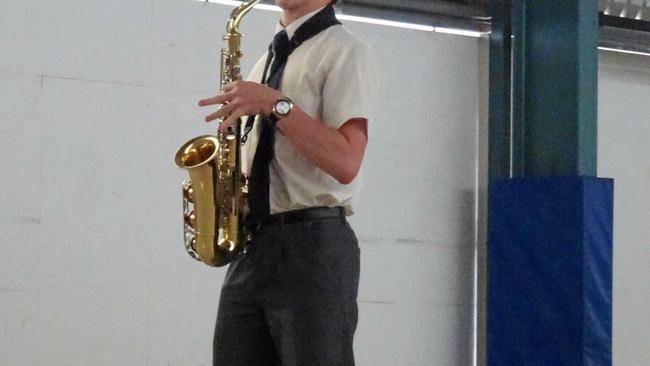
x=238, y=14
x=231, y=53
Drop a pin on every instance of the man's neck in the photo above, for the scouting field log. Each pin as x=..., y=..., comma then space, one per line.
x=290, y=15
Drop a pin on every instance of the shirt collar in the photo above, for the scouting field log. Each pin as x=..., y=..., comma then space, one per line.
x=293, y=27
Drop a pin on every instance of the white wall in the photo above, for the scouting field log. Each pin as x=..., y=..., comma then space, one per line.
x=96, y=96
x=624, y=154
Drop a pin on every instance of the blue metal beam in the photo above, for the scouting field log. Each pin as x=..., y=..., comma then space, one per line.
x=500, y=82
x=543, y=88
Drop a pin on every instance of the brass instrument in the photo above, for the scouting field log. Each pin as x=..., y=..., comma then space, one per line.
x=214, y=198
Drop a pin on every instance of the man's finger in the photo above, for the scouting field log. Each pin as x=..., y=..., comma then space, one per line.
x=219, y=99
x=234, y=116
x=222, y=112
x=230, y=86
x=225, y=126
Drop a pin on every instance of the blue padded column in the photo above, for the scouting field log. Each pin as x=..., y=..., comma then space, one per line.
x=550, y=272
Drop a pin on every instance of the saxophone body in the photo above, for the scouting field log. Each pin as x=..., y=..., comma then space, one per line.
x=215, y=196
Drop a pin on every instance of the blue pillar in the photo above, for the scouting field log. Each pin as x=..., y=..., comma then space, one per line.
x=545, y=124
x=550, y=218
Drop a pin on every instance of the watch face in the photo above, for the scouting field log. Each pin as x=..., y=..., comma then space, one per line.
x=283, y=107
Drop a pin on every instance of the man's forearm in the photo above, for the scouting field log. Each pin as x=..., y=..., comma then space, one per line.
x=338, y=152
x=328, y=148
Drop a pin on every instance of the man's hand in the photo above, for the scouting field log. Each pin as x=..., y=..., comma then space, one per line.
x=241, y=98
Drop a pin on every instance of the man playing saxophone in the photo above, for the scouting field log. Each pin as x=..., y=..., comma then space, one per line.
x=292, y=298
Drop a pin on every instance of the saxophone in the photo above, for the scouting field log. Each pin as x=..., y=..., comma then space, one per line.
x=214, y=198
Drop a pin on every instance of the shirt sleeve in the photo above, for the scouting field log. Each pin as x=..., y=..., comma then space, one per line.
x=348, y=88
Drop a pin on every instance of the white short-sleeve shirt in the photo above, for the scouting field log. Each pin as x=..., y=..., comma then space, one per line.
x=330, y=77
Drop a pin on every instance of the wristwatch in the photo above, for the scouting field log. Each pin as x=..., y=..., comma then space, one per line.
x=282, y=107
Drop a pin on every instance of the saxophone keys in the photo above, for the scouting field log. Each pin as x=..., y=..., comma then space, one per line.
x=188, y=191
x=190, y=219
x=190, y=246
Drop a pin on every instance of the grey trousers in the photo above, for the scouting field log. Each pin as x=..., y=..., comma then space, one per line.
x=292, y=299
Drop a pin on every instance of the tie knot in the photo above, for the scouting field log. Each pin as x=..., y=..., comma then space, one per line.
x=281, y=43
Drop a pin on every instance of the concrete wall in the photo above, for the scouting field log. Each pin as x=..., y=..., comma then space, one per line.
x=95, y=97
x=624, y=154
